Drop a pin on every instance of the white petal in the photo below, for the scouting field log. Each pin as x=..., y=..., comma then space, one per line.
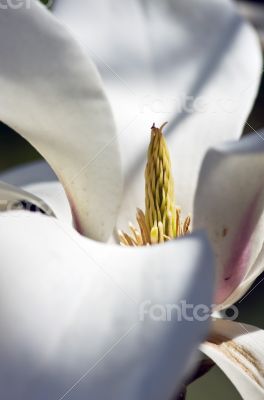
x=178, y=61
x=53, y=195
x=52, y=95
x=72, y=313
x=238, y=349
x=229, y=204
x=13, y=198
x=40, y=187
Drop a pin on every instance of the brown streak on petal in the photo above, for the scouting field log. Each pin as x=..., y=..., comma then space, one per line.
x=233, y=350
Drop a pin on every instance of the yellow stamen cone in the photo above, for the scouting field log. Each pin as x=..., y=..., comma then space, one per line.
x=159, y=194
x=162, y=219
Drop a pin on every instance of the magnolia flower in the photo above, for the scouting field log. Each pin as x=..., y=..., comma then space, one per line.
x=70, y=305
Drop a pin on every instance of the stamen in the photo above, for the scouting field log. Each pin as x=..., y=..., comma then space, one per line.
x=186, y=225
x=161, y=234
x=169, y=228
x=178, y=222
x=143, y=226
x=122, y=239
x=129, y=239
x=136, y=234
x=154, y=234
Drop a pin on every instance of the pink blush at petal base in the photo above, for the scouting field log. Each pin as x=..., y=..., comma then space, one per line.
x=236, y=267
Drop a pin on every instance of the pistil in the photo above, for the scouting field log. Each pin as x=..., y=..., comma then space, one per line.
x=162, y=219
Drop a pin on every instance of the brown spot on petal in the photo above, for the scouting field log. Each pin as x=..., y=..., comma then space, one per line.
x=224, y=232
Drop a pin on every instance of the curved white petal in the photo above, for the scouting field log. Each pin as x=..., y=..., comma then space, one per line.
x=40, y=188
x=52, y=95
x=229, y=204
x=52, y=193
x=178, y=61
x=238, y=349
x=14, y=198
x=76, y=315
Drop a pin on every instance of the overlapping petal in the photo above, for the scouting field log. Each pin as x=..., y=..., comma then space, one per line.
x=14, y=198
x=229, y=205
x=77, y=320
x=173, y=60
x=52, y=94
x=40, y=188
x=238, y=349
x=52, y=193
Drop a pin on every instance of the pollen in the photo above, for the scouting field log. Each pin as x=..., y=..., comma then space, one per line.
x=162, y=220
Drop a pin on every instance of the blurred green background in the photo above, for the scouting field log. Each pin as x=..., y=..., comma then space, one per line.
x=14, y=151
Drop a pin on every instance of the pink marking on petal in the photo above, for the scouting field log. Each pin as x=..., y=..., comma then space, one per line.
x=238, y=263
x=75, y=216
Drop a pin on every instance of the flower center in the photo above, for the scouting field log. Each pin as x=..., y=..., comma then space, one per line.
x=162, y=219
